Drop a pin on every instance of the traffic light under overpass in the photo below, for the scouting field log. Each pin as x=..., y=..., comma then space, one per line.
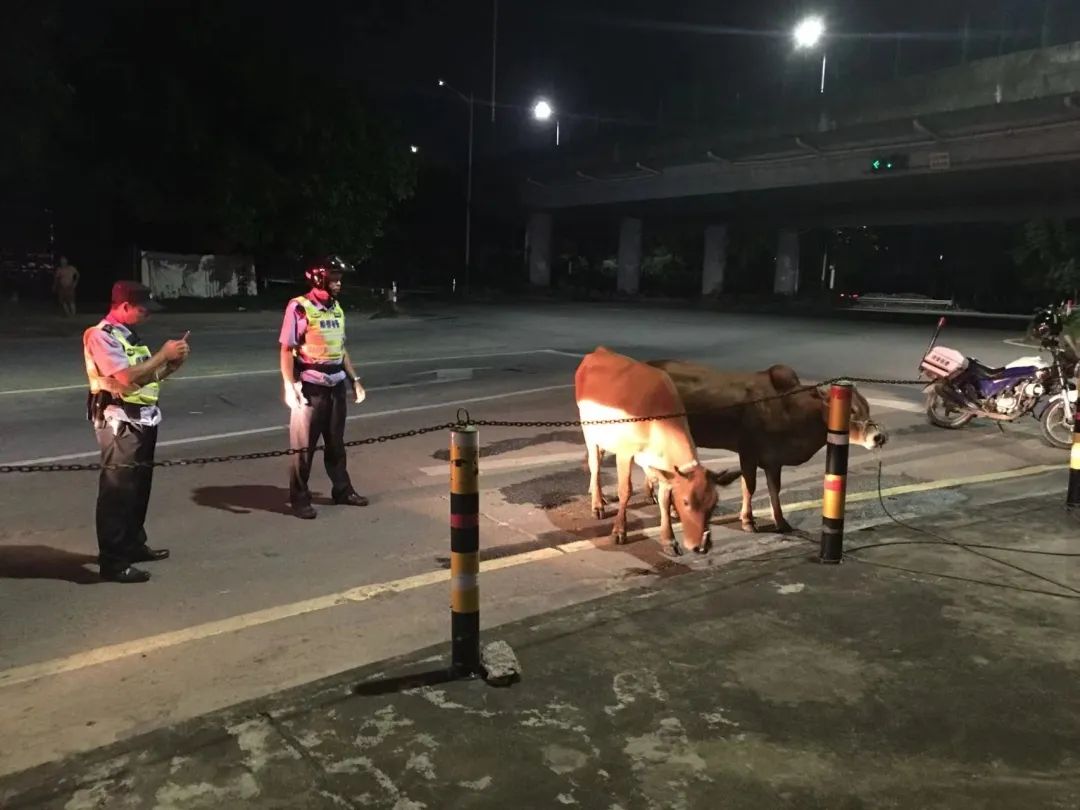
x=888, y=163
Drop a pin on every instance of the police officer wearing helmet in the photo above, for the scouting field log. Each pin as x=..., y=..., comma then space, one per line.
x=125, y=380
x=315, y=368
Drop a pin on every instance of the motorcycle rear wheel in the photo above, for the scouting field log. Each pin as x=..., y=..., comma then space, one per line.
x=943, y=415
x=1056, y=426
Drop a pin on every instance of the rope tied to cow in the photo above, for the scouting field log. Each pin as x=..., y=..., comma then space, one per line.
x=463, y=419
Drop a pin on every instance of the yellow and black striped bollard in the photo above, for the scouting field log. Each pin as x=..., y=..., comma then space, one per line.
x=1072, y=502
x=465, y=550
x=836, y=466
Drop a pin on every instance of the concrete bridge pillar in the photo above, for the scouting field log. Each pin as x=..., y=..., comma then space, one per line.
x=786, y=280
x=712, y=271
x=539, y=249
x=628, y=279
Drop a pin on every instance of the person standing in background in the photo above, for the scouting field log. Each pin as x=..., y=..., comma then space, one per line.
x=65, y=280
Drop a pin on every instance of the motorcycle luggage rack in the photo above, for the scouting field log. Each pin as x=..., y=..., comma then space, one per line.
x=943, y=362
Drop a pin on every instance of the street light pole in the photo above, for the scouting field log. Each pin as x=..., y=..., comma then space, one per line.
x=824, y=56
x=494, y=44
x=470, y=100
x=468, y=199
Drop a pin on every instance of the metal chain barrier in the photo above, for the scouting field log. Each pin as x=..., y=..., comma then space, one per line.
x=566, y=423
x=463, y=418
x=199, y=461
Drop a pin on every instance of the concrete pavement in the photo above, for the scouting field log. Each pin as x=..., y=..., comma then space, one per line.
x=254, y=601
x=918, y=674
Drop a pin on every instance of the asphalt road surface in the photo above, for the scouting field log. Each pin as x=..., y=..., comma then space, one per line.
x=254, y=600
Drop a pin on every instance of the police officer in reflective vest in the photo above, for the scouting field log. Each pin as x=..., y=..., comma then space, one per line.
x=314, y=368
x=125, y=379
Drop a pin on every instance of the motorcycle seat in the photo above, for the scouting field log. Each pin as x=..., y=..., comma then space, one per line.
x=984, y=371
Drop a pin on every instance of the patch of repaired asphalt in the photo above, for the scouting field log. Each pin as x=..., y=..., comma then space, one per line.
x=548, y=491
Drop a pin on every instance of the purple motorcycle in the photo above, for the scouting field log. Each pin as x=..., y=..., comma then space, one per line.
x=961, y=388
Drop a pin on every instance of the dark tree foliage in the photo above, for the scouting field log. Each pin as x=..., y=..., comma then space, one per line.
x=1048, y=253
x=209, y=125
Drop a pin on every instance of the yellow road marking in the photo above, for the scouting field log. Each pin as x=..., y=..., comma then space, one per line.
x=244, y=621
x=927, y=486
x=362, y=593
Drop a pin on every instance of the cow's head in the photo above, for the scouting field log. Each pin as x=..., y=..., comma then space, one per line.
x=693, y=491
x=864, y=431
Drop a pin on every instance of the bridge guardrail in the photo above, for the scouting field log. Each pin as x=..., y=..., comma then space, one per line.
x=884, y=301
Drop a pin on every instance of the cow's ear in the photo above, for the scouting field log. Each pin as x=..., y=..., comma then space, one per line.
x=724, y=477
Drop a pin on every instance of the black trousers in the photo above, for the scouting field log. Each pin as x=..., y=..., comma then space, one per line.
x=124, y=494
x=322, y=418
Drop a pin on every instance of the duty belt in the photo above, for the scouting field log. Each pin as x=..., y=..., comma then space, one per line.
x=324, y=368
x=97, y=403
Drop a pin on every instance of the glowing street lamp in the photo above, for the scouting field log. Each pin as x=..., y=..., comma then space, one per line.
x=543, y=111
x=808, y=34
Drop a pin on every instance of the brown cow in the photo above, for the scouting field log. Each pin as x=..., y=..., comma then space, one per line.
x=779, y=432
x=609, y=386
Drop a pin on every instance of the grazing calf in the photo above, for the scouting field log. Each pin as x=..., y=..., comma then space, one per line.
x=609, y=386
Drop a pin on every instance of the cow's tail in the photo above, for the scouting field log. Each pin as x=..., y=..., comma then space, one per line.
x=599, y=455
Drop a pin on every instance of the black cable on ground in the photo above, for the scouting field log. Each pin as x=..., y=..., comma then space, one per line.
x=971, y=548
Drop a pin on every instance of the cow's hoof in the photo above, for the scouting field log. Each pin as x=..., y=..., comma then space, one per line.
x=704, y=548
x=672, y=549
x=783, y=527
x=749, y=526
x=619, y=538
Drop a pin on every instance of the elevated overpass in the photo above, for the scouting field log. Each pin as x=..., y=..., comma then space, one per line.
x=995, y=139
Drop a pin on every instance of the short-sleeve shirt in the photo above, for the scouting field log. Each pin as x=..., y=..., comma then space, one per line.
x=293, y=329
x=109, y=357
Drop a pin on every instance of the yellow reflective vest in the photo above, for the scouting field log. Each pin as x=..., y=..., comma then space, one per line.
x=148, y=393
x=324, y=340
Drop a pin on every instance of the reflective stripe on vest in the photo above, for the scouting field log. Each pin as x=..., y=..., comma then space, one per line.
x=148, y=393
x=324, y=340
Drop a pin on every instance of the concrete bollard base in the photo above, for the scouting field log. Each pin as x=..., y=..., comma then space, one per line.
x=500, y=663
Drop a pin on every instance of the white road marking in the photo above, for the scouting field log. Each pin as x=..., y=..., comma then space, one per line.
x=550, y=459
x=257, y=372
x=1020, y=342
x=896, y=404
x=256, y=431
x=513, y=463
